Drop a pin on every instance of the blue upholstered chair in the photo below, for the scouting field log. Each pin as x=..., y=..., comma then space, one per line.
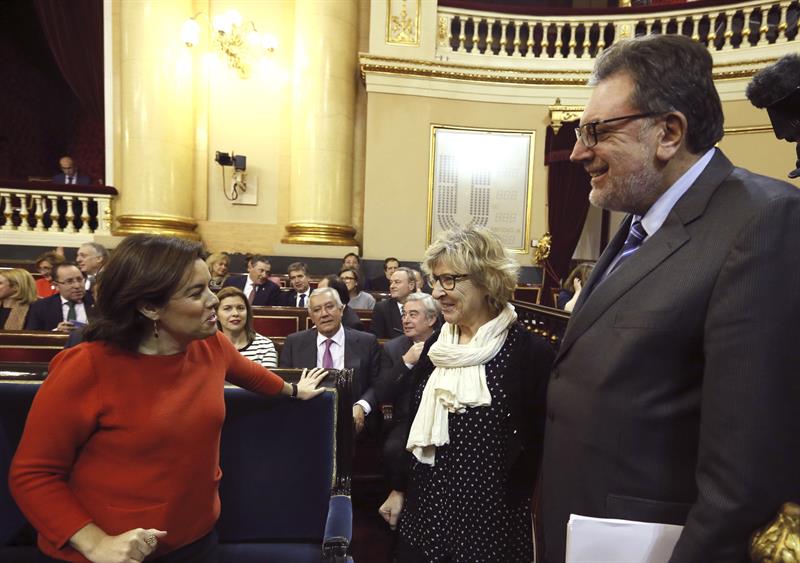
x=285, y=487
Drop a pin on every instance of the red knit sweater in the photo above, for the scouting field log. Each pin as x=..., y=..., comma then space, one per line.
x=129, y=441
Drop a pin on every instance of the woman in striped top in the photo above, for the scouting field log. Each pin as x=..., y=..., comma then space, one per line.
x=235, y=319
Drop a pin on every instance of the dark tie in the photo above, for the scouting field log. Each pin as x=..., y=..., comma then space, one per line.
x=252, y=295
x=327, y=358
x=301, y=301
x=636, y=237
x=72, y=315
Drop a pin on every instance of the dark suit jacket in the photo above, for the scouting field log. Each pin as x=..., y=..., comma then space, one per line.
x=350, y=319
x=672, y=396
x=394, y=382
x=267, y=293
x=361, y=353
x=45, y=314
x=386, y=320
x=82, y=179
x=289, y=298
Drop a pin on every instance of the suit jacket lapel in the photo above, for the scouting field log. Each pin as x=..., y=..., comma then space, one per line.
x=308, y=349
x=657, y=248
x=351, y=356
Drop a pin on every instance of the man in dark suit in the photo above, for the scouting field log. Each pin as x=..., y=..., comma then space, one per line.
x=394, y=384
x=68, y=309
x=298, y=278
x=256, y=285
x=381, y=283
x=672, y=396
x=69, y=173
x=386, y=321
x=331, y=345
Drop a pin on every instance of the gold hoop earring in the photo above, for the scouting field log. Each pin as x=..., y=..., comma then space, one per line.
x=155, y=328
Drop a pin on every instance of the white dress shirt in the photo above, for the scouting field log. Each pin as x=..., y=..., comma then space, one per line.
x=80, y=311
x=337, y=348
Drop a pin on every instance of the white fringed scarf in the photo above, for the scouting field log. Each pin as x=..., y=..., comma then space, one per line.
x=458, y=381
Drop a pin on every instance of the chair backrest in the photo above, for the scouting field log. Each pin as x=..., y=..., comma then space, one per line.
x=281, y=460
x=15, y=402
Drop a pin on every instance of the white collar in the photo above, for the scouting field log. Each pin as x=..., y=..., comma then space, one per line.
x=338, y=338
x=657, y=214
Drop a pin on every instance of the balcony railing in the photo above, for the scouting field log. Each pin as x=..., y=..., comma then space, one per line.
x=37, y=212
x=721, y=28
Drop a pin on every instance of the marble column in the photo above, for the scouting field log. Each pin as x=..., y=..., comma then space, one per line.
x=323, y=110
x=155, y=130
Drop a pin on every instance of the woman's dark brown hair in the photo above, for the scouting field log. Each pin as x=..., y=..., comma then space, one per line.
x=231, y=291
x=143, y=269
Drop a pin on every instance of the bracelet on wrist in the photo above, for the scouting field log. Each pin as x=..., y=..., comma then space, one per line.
x=294, y=390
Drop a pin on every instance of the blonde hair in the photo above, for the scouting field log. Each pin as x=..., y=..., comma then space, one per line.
x=477, y=252
x=23, y=283
x=216, y=258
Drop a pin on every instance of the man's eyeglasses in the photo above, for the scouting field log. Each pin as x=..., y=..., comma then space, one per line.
x=587, y=133
x=447, y=281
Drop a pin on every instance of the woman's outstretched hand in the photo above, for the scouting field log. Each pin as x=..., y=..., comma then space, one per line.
x=307, y=387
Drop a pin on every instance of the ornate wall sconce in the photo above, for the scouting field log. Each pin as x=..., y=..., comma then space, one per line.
x=234, y=38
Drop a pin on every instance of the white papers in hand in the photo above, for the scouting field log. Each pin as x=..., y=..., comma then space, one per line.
x=606, y=540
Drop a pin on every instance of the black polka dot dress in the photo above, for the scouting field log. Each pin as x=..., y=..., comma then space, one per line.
x=457, y=510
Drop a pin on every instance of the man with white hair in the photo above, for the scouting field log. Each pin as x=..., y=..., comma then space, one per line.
x=394, y=384
x=330, y=345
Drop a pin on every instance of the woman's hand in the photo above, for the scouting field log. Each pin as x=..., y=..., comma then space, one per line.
x=309, y=380
x=392, y=507
x=576, y=284
x=99, y=547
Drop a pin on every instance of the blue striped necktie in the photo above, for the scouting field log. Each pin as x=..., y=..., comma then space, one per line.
x=636, y=237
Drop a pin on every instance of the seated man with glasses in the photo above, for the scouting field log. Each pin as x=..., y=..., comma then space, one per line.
x=331, y=345
x=70, y=308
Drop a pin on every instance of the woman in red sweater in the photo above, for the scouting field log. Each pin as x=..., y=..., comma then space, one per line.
x=119, y=459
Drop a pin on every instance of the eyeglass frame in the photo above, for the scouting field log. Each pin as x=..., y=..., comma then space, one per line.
x=432, y=279
x=591, y=127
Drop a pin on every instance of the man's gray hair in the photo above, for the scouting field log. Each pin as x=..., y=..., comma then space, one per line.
x=101, y=250
x=322, y=291
x=428, y=303
x=409, y=274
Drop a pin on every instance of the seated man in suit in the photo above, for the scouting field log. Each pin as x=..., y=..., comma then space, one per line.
x=298, y=277
x=92, y=257
x=256, y=285
x=394, y=384
x=69, y=173
x=68, y=309
x=331, y=345
x=381, y=283
x=386, y=321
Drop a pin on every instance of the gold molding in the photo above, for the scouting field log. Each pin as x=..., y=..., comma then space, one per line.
x=559, y=114
x=510, y=75
x=168, y=225
x=319, y=233
x=402, y=29
x=529, y=186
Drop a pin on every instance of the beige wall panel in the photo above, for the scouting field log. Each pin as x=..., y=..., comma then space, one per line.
x=251, y=117
x=398, y=148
